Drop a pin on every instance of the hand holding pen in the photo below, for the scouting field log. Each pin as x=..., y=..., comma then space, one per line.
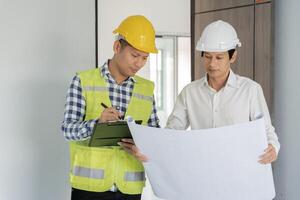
x=109, y=114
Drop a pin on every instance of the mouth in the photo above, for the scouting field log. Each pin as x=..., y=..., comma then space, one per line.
x=213, y=70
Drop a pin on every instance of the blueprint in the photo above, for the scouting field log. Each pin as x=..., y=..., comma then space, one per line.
x=209, y=164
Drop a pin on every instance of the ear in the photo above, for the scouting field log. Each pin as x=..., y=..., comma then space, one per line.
x=233, y=58
x=117, y=47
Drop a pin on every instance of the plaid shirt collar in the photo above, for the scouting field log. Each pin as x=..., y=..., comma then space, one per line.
x=106, y=74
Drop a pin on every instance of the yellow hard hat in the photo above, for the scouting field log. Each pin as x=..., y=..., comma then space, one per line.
x=138, y=31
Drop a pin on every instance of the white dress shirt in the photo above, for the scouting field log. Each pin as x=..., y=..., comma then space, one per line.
x=240, y=100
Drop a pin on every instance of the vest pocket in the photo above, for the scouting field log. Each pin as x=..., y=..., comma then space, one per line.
x=91, y=169
x=131, y=178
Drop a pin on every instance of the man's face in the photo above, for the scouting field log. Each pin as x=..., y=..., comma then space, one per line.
x=130, y=60
x=217, y=64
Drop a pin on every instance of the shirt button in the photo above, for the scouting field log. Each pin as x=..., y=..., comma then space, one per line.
x=118, y=107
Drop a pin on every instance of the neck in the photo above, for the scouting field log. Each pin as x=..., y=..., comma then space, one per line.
x=113, y=68
x=217, y=83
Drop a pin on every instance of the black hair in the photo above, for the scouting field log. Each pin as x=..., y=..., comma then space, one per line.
x=230, y=53
x=123, y=43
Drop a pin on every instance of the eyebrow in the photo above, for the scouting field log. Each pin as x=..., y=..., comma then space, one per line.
x=135, y=52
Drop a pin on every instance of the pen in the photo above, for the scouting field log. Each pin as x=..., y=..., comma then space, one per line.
x=105, y=106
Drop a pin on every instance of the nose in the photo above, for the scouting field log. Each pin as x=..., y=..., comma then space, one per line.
x=213, y=62
x=140, y=62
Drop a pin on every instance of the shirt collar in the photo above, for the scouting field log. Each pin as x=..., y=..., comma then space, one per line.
x=106, y=73
x=231, y=81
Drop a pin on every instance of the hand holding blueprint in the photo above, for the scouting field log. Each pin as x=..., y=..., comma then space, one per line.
x=208, y=164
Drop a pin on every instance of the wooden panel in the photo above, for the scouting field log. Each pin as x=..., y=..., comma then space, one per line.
x=208, y=5
x=243, y=21
x=263, y=50
x=262, y=1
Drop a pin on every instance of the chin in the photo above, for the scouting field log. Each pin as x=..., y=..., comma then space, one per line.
x=130, y=74
x=213, y=74
x=133, y=72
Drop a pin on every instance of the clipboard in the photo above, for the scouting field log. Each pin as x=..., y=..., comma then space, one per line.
x=110, y=133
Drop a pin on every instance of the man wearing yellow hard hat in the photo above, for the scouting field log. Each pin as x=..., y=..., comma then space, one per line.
x=111, y=172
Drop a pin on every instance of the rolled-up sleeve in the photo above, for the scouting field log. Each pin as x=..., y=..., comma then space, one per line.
x=259, y=108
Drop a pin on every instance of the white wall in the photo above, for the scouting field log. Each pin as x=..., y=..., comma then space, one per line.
x=42, y=44
x=287, y=98
x=167, y=16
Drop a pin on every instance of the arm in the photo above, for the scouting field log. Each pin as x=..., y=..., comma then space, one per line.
x=259, y=107
x=178, y=119
x=153, y=120
x=73, y=126
x=128, y=144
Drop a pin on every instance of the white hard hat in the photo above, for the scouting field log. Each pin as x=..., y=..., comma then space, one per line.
x=219, y=36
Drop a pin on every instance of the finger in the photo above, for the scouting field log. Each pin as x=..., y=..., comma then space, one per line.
x=132, y=149
x=111, y=117
x=115, y=111
x=267, y=158
x=108, y=117
x=269, y=149
x=107, y=111
x=128, y=140
x=264, y=160
x=129, y=146
x=142, y=158
x=125, y=148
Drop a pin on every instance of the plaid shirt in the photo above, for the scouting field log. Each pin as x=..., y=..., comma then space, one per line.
x=75, y=128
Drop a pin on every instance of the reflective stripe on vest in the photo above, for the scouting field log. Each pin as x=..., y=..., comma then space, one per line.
x=99, y=174
x=102, y=89
x=88, y=172
x=134, y=176
x=143, y=97
x=95, y=88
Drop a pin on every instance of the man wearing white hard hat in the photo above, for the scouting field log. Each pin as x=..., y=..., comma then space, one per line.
x=222, y=97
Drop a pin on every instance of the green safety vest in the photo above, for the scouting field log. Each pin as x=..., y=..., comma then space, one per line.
x=97, y=169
